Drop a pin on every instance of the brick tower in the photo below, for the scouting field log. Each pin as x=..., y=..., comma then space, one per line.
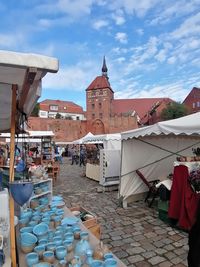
x=99, y=96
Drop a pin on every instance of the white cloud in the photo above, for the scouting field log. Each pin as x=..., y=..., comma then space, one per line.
x=12, y=41
x=100, y=24
x=131, y=7
x=118, y=17
x=189, y=27
x=140, y=31
x=121, y=37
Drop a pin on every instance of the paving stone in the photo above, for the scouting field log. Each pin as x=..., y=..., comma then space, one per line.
x=156, y=260
x=134, y=259
x=170, y=255
x=116, y=237
x=148, y=254
x=165, y=264
x=176, y=260
x=136, y=250
x=142, y=264
x=121, y=254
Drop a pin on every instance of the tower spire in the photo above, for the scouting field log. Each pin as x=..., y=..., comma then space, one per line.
x=104, y=68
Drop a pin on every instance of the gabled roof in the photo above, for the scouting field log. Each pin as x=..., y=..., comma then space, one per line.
x=100, y=82
x=141, y=105
x=194, y=93
x=63, y=106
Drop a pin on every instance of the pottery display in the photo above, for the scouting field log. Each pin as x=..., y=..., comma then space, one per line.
x=31, y=259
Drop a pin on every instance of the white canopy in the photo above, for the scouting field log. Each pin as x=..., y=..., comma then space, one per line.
x=153, y=150
x=81, y=140
x=26, y=72
x=110, y=141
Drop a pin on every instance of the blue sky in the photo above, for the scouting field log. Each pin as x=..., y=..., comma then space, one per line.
x=152, y=47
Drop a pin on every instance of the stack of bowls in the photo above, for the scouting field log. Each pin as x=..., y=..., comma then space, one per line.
x=41, y=231
x=28, y=242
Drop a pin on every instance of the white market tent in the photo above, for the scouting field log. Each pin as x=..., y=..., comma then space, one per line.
x=81, y=140
x=152, y=150
x=20, y=87
x=110, y=141
x=29, y=136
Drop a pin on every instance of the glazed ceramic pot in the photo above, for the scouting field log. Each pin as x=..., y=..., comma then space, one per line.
x=27, y=229
x=97, y=263
x=39, y=250
x=108, y=255
x=110, y=263
x=81, y=247
x=63, y=263
x=61, y=252
x=31, y=259
x=57, y=241
x=51, y=246
x=48, y=256
x=89, y=258
x=68, y=245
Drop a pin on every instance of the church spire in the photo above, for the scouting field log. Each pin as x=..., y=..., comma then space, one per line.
x=104, y=68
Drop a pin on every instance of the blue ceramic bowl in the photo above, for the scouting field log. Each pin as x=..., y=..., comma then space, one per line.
x=110, y=262
x=39, y=250
x=24, y=221
x=32, y=223
x=61, y=252
x=108, y=255
x=51, y=246
x=97, y=263
x=43, y=264
x=84, y=235
x=28, y=239
x=48, y=256
x=31, y=259
x=43, y=241
x=26, y=214
x=57, y=241
x=40, y=229
x=27, y=229
x=36, y=218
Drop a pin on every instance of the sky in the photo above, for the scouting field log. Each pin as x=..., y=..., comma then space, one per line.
x=152, y=47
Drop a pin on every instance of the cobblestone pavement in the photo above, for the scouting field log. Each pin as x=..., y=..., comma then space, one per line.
x=135, y=235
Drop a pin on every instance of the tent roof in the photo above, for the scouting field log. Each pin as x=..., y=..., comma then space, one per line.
x=26, y=72
x=30, y=134
x=102, y=137
x=80, y=141
x=187, y=125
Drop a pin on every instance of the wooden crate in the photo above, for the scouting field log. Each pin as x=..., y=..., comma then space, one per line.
x=88, y=223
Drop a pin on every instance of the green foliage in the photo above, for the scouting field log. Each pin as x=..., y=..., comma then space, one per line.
x=35, y=112
x=58, y=116
x=174, y=110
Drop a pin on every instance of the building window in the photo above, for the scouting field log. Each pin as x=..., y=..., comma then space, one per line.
x=93, y=106
x=193, y=105
x=101, y=115
x=77, y=118
x=53, y=107
x=93, y=116
x=100, y=105
x=198, y=104
x=101, y=92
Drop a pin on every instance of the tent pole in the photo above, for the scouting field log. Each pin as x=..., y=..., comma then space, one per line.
x=11, y=175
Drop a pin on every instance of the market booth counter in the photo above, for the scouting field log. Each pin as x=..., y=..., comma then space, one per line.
x=20, y=87
x=69, y=234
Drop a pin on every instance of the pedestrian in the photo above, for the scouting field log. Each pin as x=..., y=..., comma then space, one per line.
x=82, y=155
x=73, y=155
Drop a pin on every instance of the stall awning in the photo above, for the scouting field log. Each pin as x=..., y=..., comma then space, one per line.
x=187, y=125
x=26, y=72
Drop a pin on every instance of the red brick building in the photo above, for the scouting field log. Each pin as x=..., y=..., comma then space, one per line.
x=192, y=101
x=104, y=113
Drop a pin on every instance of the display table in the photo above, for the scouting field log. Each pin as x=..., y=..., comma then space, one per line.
x=92, y=239
x=93, y=171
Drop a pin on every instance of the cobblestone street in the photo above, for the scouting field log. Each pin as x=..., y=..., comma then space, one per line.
x=135, y=235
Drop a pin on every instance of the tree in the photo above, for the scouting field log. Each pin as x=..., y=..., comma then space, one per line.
x=58, y=116
x=35, y=112
x=174, y=110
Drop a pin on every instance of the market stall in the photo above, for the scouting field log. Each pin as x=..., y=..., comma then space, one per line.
x=20, y=87
x=153, y=150
x=104, y=166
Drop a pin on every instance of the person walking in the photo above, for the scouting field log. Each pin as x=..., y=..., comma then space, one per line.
x=82, y=155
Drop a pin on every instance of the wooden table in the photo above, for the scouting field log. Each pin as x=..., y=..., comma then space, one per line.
x=92, y=239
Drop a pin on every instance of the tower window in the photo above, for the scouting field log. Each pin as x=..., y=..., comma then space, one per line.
x=93, y=116
x=93, y=106
x=100, y=105
x=100, y=115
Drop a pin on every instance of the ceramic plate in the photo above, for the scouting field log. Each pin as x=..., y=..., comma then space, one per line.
x=69, y=220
